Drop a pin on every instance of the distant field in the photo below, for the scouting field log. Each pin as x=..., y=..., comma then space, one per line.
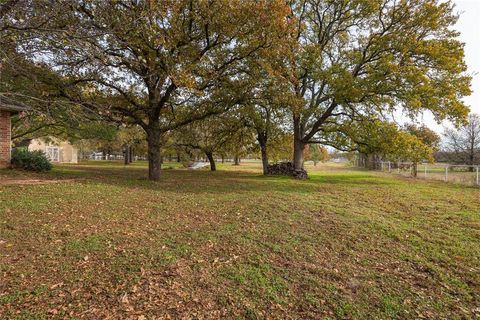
x=97, y=240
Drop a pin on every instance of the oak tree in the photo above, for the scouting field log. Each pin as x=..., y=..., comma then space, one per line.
x=165, y=64
x=370, y=58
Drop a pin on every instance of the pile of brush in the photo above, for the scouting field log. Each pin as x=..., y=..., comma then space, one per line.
x=287, y=169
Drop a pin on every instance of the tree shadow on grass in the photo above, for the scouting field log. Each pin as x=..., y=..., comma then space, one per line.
x=219, y=182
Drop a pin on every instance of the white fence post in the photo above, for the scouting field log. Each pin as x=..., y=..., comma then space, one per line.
x=477, y=177
x=389, y=167
x=425, y=171
x=446, y=173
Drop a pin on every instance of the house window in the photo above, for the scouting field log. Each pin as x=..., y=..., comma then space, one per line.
x=53, y=154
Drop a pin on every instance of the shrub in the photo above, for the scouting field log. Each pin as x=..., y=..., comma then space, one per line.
x=30, y=160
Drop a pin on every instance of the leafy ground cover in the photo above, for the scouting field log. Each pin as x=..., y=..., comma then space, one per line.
x=103, y=242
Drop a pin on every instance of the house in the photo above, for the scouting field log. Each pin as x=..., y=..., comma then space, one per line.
x=57, y=151
x=7, y=109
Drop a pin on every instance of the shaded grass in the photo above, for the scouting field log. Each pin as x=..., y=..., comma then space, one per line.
x=236, y=244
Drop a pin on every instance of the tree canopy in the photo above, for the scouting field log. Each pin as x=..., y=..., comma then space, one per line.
x=157, y=65
x=370, y=58
x=312, y=71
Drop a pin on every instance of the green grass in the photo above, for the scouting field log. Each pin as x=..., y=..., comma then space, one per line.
x=103, y=241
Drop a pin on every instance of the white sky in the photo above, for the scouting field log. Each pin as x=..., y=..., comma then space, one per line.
x=468, y=25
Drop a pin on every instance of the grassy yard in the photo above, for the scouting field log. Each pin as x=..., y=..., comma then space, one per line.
x=103, y=242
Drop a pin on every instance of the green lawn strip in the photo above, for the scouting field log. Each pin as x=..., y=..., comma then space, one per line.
x=343, y=244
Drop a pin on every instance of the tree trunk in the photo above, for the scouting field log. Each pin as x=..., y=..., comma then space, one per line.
x=130, y=154
x=471, y=159
x=363, y=160
x=154, y=157
x=370, y=162
x=414, y=169
x=223, y=158
x=126, y=156
x=298, y=145
x=178, y=157
x=262, y=141
x=213, y=167
x=264, y=160
x=236, y=160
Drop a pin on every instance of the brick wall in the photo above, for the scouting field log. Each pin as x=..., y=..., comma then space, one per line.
x=5, y=136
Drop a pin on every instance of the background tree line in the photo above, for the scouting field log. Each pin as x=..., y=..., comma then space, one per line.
x=228, y=76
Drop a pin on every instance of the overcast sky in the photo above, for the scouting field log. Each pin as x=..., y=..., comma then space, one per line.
x=469, y=26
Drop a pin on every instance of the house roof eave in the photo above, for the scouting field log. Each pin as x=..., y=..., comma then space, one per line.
x=13, y=107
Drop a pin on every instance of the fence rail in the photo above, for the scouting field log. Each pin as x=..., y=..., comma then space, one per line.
x=463, y=174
